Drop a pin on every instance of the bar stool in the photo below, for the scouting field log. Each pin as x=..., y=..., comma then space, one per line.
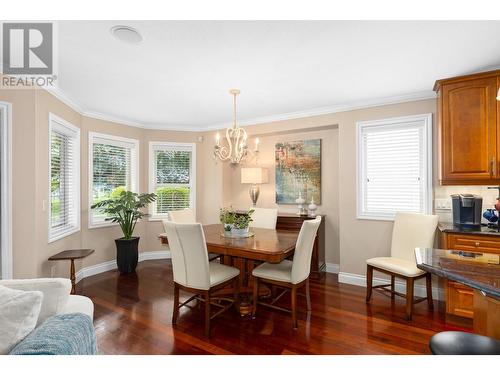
x=458, y=343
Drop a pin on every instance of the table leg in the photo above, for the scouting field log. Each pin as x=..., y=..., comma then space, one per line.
x=72, y=277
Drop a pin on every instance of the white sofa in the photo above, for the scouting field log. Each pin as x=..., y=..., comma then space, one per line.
x=56, y=297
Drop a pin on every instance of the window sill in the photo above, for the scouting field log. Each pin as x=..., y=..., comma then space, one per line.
x=103, y=225
x=157, y=218
x=60, y=236
x=374, y=217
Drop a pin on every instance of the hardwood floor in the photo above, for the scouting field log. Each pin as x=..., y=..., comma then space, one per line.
x=133, y=316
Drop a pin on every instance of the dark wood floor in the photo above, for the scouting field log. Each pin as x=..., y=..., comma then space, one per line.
x=133, y=314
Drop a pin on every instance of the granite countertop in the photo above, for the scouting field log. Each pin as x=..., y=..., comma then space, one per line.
x=484, y=230
x=477, y=270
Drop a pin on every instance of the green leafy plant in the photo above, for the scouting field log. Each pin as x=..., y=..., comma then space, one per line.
x=243, y=220
x=227, y=217
x=125, y=209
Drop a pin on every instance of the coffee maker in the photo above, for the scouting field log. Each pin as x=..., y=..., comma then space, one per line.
x=467, y=209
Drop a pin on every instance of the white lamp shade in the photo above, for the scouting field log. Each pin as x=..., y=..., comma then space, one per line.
x=498, y=95
x=254, y=176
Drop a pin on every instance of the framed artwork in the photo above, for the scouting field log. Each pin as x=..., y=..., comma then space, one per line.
x=298, y=171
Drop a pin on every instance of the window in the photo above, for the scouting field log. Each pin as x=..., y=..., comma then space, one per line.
x=394, y=167
x=112, y=169
x=172, y=176
x=64, y=178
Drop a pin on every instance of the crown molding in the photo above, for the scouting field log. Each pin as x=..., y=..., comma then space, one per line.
x=361, y=104
x=423, y=95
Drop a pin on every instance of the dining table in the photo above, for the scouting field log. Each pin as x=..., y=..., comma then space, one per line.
x=262, y=245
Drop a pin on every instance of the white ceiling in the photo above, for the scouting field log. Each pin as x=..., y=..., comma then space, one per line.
x=180, y=75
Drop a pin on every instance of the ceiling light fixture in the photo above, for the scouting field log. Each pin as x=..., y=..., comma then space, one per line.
x=236, y=137
x=126, y=34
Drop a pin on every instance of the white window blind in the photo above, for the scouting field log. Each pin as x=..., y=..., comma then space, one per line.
x=172, y=176
x=113, y=169
x=394, y=167
x=64, y=178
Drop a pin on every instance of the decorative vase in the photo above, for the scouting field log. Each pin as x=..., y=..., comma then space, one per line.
x=300, y=204
x=240, y=232
x=312, y=208
x=127, y=254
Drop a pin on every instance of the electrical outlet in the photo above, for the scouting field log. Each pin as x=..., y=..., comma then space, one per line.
x=442, y=204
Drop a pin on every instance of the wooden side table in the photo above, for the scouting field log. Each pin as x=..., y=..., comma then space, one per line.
x=72, y=255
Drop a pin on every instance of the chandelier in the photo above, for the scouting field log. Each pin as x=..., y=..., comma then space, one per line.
x=236, y=149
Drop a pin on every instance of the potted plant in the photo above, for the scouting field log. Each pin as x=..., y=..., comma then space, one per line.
x=227, y=217
x=241, y=223
x=125, y=209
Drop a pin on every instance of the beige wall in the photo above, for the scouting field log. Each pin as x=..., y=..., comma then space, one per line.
x=31, y=249
x=236, y=194
x=349, y=241
x=23, y=180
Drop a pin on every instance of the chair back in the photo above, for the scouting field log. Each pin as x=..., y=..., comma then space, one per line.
x=264, y=218
x=303, y=250
x=189, y=254
x=411, y=231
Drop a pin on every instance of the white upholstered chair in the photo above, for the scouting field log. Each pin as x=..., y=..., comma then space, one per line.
x=264, y=218
x=186, y=216
x=192, y=270
x=409, y=231
x=289, y=274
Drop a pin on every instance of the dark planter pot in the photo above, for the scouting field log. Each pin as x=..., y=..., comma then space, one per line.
x=127, y=254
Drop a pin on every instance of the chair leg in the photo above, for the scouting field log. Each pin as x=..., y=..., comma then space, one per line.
x=393, y=286
x=409, y=297
x=294, y=307
x=428, y=286
x=175, y=313
x=308, y=296
x=255, y=295
x=207, y=313
x=369, y=282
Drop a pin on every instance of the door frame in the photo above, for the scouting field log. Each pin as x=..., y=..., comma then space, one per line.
x=6, y=188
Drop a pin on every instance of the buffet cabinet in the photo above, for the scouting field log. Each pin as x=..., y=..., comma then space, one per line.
x=460, y=298
x=294, y=222
x=469, y=129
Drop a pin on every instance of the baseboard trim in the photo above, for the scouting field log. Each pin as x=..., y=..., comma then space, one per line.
x=360, y=280
x=332, y=268
x=111, y=265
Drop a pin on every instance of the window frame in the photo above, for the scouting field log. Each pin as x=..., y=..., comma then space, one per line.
x=134, y=170
x=152, y=175
x=426, y=124
x=72, y=131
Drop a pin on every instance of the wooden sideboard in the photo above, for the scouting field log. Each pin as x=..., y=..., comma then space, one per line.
x=293, y=222
x=460, y=298
x=469, y=129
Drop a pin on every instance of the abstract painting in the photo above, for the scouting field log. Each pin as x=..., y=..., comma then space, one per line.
x=298, y=170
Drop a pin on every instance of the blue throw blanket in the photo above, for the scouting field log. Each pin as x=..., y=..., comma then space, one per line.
x=60, y=334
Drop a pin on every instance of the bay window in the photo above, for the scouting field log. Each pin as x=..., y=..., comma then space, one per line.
x=113, y=168
x=172, y=177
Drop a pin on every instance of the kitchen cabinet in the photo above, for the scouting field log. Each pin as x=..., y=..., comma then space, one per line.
x=469, y=129
x=460, y=298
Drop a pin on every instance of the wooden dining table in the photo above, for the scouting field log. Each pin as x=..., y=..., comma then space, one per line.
x=265, y=245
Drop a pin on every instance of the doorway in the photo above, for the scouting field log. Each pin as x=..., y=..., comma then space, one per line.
x=5, y=191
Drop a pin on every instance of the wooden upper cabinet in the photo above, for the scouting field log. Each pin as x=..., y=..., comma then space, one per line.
x=469, y=129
